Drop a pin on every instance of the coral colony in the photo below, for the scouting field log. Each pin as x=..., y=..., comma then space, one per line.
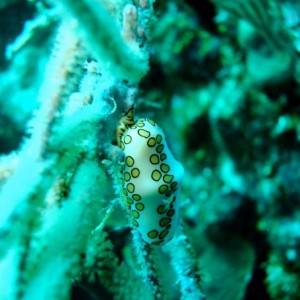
x=149, y=149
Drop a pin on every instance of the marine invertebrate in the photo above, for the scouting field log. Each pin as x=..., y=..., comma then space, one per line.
x=151, y=179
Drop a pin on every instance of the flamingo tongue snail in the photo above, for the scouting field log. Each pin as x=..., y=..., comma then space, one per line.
x=151, y=179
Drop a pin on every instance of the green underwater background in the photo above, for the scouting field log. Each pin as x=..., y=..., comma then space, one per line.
x=221, y=78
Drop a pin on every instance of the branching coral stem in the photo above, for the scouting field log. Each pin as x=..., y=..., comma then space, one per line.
x=102, y=34
x=55, y=88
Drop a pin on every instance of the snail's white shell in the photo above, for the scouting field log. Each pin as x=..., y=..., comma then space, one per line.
x=151, y=180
